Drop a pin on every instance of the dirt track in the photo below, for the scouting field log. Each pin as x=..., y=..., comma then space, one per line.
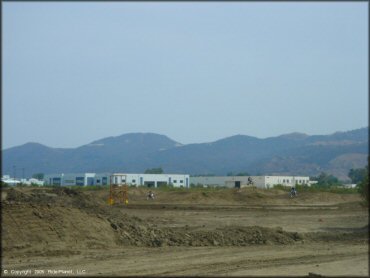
x=198, y=232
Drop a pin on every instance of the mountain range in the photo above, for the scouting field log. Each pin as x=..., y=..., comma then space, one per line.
x=288, y=154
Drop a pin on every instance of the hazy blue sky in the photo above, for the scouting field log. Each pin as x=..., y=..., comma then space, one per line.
x=196, y=72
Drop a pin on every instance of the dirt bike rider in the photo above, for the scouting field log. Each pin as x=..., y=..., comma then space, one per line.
x=293, y=192
x=150, y=195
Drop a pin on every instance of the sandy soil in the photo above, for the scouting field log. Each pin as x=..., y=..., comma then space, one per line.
x=198, y=232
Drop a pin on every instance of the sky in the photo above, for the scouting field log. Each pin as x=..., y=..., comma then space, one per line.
x=77, y=72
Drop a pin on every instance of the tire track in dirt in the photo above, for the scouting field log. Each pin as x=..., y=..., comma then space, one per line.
x=264, y=263
x=227, y=265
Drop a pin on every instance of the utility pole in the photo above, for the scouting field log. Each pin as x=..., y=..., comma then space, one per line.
x=23, y=173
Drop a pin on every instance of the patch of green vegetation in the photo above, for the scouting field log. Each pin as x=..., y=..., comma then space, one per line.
x=51, y=186
x=363, y=185
x=168, y=188
x=34, y=185
x=90, y=187
x=326, y=180
x=259, y=195
x=3, y=184
x=198, y=185
x=281, y=187
x=318, y=188
x=190, y=189
x=340, y=190
x=81, y=188
x=21, y=185
x=208, y=189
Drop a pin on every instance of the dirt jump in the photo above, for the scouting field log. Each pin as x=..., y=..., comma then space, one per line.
x=182, y=232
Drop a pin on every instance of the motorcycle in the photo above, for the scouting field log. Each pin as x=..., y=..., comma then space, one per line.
x=293, y=194
x=150, y=196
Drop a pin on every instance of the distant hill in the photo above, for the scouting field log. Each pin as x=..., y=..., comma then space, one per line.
x=128, y=152
x=288, y=154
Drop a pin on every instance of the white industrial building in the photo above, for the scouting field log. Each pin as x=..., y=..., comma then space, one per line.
x=149, y=180
x=264, y=182
x=11, y=181
x=176, y=180
x=32, y=181
x=80, y=179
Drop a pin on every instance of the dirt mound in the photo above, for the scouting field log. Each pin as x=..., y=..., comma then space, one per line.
x=147, y=235
x=62, y=218
x=38, y=195
x=243, y=196
x=223, y=196
x=47, y=219
x=60, y=196
x=52, y=220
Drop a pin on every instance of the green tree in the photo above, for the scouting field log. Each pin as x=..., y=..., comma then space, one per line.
x=3, y=184
x=363, y=185
x=326, y=180
x=363, y=188
x=357, y=175
x=154, y=171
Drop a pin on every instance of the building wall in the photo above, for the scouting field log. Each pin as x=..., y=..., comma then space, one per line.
x=209, y=181
x=229, y=181
x=156, y=180
x=82, y=179
x=79, y=179
x=102, y=179
x=258, y=181
x=288, y=181
x=151, y=180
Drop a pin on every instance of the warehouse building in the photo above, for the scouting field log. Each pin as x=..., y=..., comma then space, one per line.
x=243, y=181
x=149, y=180
x=10, y=181
x=80, y=179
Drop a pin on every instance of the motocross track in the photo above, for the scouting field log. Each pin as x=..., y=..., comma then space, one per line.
x=222, y=232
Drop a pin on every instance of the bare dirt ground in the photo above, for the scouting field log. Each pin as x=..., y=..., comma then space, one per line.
x=225, y=232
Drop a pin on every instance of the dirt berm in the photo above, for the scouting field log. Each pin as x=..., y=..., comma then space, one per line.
x=62, y=220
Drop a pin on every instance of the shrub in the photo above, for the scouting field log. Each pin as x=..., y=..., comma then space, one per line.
x=198, y=185
x=318, y=188
x=363, y=187
x=3, y=184
x=322, y=188
x=165, y=187
x=281, y=187
x=91, y=187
